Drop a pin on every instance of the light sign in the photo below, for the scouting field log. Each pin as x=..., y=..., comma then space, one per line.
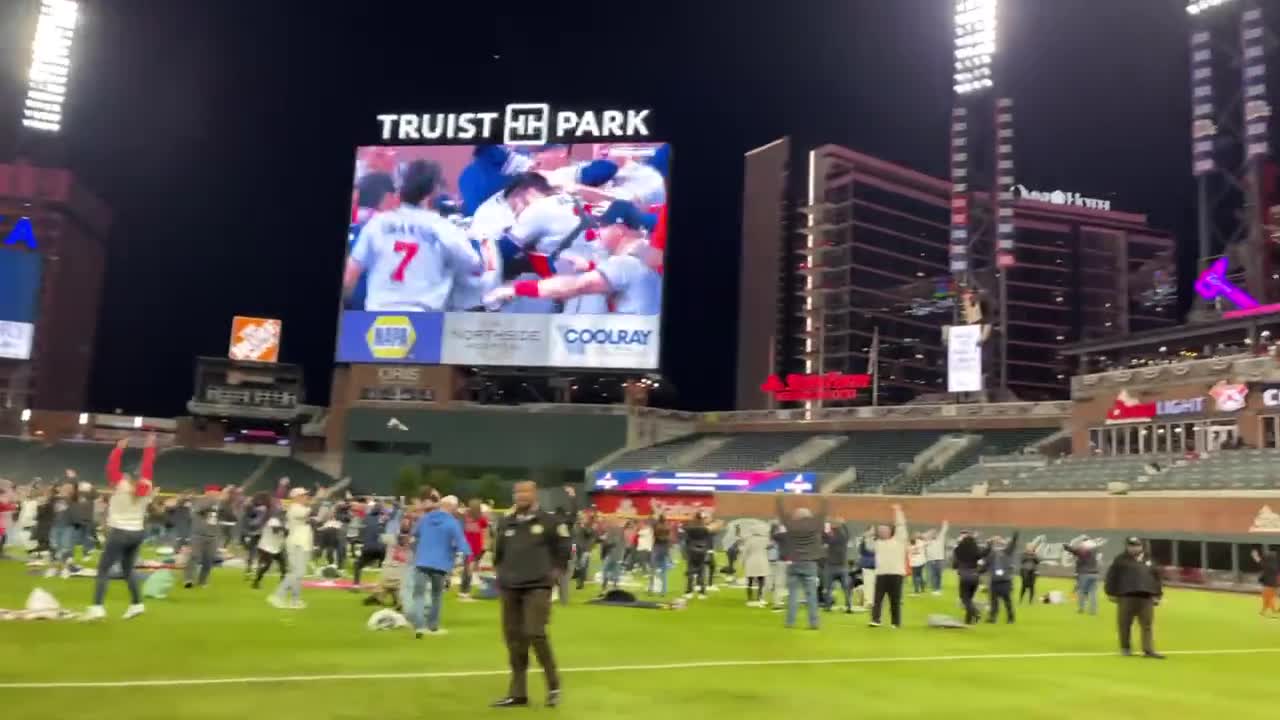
x=832, y=386
x=50, y=65
x=1061, y=197
x=517, y=124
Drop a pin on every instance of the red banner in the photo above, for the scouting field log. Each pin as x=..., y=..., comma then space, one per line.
x=831, y=386
x=677, y=508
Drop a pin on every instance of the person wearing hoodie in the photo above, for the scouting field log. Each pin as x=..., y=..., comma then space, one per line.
x=999, y=558
x=1086, y=554
x=440, y=542
x=891, y=567
x=965, y=561
x=1030, y=571
x=755, y=563
x=697, y=547
x=661, y=561
x=935, y=554
x=373, y=544
x=836, y=536
x=126, y=520
x=204, y=537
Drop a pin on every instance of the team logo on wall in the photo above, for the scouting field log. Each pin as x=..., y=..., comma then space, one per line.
x=1229, y=397
x=1267, y=521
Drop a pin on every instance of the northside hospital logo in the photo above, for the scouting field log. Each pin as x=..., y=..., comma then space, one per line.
x=521, y=123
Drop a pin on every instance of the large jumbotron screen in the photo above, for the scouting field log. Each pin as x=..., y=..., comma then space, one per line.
x=494, y=255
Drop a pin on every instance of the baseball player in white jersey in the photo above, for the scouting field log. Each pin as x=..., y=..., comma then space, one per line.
x=623, y=280
x=492, y=220
x=552, y=223
x=411, y=256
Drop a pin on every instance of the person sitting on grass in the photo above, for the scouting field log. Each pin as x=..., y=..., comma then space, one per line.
x=126, y=516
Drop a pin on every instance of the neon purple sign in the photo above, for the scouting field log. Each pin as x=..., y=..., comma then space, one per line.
x=1213, y=283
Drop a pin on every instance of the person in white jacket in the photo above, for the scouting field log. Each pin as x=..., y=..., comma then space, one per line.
x=755, y=563
x=916, y=556
x=891, y=567
x=935, y=554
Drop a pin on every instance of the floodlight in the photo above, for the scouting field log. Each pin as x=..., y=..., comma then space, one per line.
x=26, y=415
x=137, y=421
x=50, y=65
x=1195, y=7
x=975, y=23
x=84, y=418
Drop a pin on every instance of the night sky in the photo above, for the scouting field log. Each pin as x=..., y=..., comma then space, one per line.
x=222, y=135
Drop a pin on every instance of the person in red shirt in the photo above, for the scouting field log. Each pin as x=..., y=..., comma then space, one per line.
x=126, y=519
x=475, y=526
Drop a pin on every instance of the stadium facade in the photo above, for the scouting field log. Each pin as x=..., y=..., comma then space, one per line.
x=59, y=228
x=870, y=259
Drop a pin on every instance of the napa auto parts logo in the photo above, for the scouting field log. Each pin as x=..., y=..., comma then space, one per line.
x=517, y=124
x=831, y=386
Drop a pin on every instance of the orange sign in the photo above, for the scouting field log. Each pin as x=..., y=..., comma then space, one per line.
x=255, y=339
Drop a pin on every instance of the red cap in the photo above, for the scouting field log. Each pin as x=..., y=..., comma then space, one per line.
x=212, y=488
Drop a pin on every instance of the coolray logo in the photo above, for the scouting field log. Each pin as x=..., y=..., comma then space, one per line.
x=1061, y=197
x=522, y=124
x=1229, y=397
x=602, y=336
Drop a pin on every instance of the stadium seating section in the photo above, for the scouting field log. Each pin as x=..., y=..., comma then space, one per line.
x=1249, y=469
x=177, y=469
x=879, y=457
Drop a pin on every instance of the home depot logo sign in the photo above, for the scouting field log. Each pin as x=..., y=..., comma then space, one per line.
x=255, y=339
x=1227, y=398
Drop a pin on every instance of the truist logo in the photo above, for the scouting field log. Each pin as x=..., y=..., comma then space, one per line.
x=516, y=124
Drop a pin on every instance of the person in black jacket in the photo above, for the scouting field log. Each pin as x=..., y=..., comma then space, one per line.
x=697, y=548
x=999, y=557
x=1135, y=586
x=1030, y=571
x=965, y=561
x=532, y=549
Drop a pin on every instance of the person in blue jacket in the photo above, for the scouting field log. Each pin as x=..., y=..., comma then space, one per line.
x=440, y=541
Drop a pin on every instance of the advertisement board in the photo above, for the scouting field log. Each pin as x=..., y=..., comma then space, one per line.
x=19, y=302
x=964, y=358
x=255, y=339
x=664, y=481
x=547, y=255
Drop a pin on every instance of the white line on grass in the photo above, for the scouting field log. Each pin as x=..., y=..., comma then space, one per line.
x=611, y=668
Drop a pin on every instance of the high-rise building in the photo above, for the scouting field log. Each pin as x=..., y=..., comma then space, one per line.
x=872, y=260
x=52, y=235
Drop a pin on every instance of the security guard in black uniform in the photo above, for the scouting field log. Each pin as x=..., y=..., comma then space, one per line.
x=532, y=549
x=1134, y=585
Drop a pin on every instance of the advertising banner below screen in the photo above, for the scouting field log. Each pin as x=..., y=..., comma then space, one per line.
x=643, y=481
x=964, y=358
x=15, y=340
x=390, y=337
x=527, y=256
x=677, y=508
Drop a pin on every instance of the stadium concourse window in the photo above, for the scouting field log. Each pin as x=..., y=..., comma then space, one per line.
x=398, y=448
x=1162, y=552
x=1190, y=553
x=1218, y=556
x=1270, y=431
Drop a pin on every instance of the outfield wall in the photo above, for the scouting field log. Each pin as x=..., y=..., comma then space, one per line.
x=1227, y=518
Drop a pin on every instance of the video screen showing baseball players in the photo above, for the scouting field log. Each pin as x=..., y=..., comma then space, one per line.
x=552, y=229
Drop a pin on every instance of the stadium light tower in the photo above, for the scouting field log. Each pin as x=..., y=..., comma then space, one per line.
x=1230, y=142
x=50, y=68
x=982, y=237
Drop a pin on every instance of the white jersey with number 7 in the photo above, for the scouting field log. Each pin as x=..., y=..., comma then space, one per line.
x=411, y=257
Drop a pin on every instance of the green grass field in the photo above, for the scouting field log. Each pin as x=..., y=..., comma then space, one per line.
x=738, y=662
